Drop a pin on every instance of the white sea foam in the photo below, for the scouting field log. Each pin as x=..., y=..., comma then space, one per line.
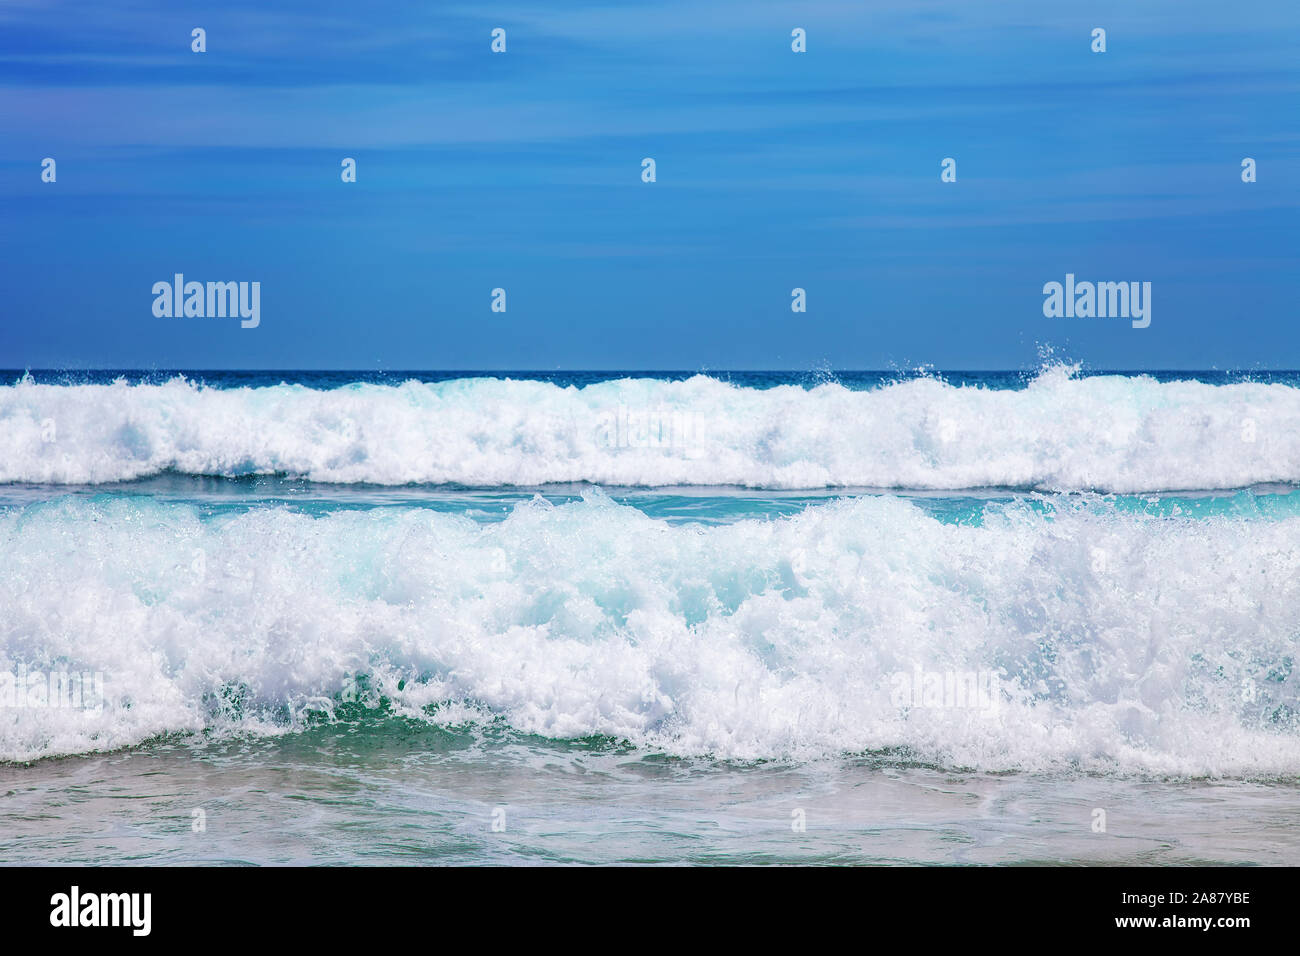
x=1121, y=641
x=1113, y=433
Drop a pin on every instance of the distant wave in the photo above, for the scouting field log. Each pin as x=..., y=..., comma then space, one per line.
x=1060, y=433
x=1123, y=641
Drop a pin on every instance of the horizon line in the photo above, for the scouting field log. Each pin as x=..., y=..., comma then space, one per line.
x=642, y=371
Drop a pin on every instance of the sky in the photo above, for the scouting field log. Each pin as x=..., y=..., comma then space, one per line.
x=775, y=170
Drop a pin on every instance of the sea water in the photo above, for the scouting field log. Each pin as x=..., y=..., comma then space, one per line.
x=636, y=617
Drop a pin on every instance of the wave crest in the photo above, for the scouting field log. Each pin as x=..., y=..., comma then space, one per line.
x=1060, y=433
x=1119, y=641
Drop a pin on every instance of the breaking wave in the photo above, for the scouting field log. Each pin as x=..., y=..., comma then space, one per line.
x=1059, y=433
x=1121, y=640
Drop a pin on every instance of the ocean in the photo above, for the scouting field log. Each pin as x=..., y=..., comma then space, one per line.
x=628, y=617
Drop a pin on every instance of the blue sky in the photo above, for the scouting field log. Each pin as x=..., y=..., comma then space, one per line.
x=775, y=170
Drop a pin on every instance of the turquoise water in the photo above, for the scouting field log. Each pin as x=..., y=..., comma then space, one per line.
x=214, y=496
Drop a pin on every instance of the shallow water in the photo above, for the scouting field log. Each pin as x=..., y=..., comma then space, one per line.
x=414, y=795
